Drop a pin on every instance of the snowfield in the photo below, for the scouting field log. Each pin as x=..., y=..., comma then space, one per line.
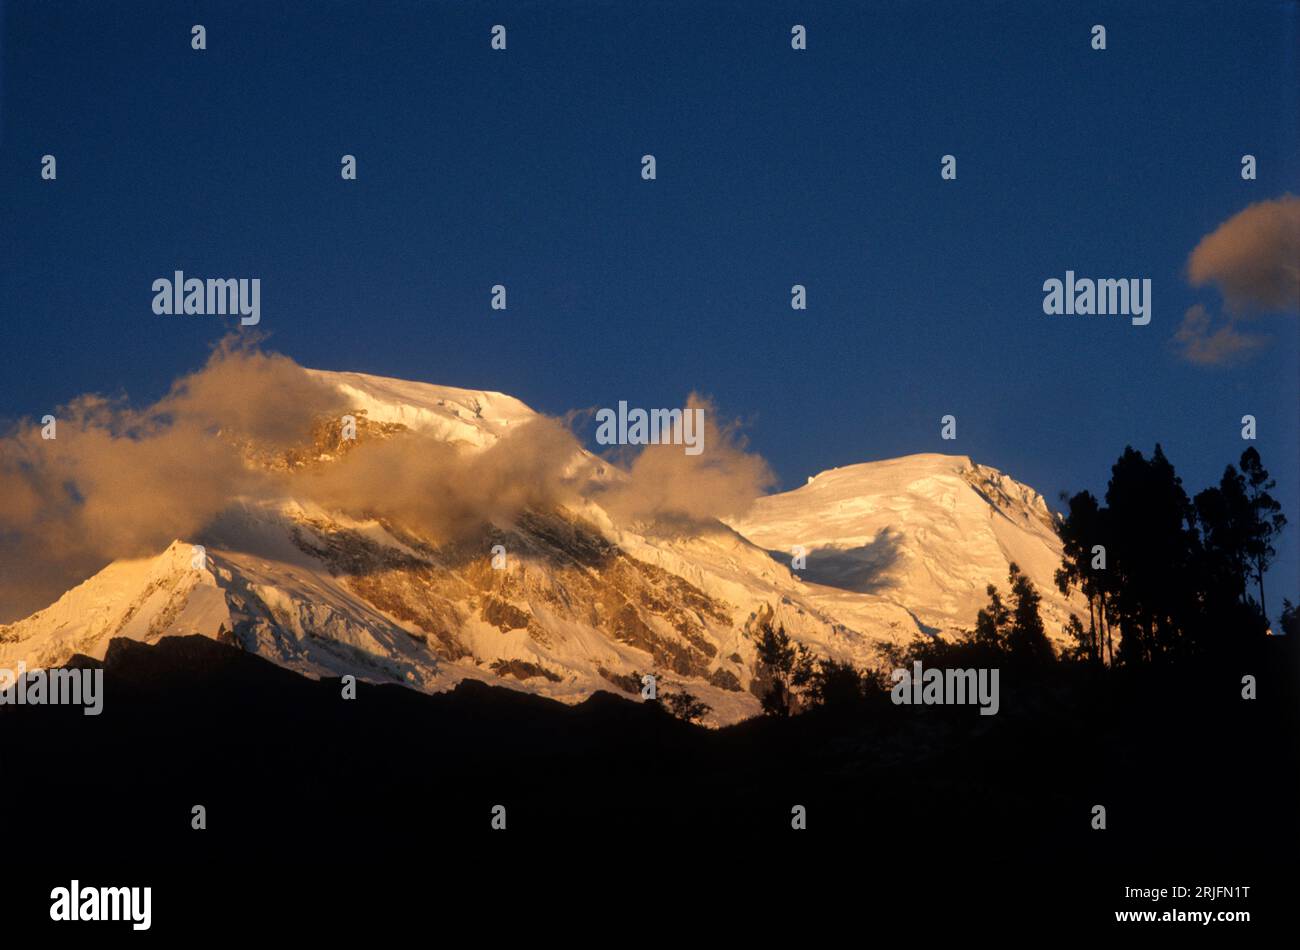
x=892, y=550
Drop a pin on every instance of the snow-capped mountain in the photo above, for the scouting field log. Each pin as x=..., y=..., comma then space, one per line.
x=893, y=549
x=923, y=534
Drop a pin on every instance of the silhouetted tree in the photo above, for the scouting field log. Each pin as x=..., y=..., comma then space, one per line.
x=685, y=706
x=1015, y=631
x=788, y=665
x=1152, y=537
x=1224, y=516
x=1084, y=539
x=1026, y=639
x=1177, y=572
x=1084, y=646
x=836, y=684
x=776, y=701
x=1290, y=619
x=992, y=622
x=1267, y=520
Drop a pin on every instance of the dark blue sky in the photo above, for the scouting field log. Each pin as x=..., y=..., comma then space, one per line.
x=775, y=167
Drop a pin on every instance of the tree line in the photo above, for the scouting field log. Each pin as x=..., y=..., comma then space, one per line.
x=1166, y=574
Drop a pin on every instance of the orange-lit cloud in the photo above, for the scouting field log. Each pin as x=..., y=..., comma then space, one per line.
x=1253, y=259
x=121, y=482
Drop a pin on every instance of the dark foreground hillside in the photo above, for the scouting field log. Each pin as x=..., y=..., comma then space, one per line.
x=342, y=813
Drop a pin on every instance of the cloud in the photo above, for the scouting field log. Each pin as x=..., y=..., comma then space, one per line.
x=1222, y=346
x=432, y=487
x=118, y=482
x=1253, y=259
x=121, y=482
x=666, y=484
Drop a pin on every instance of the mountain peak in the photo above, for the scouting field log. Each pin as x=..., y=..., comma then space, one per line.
x=474, y=416
x=926, y=533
